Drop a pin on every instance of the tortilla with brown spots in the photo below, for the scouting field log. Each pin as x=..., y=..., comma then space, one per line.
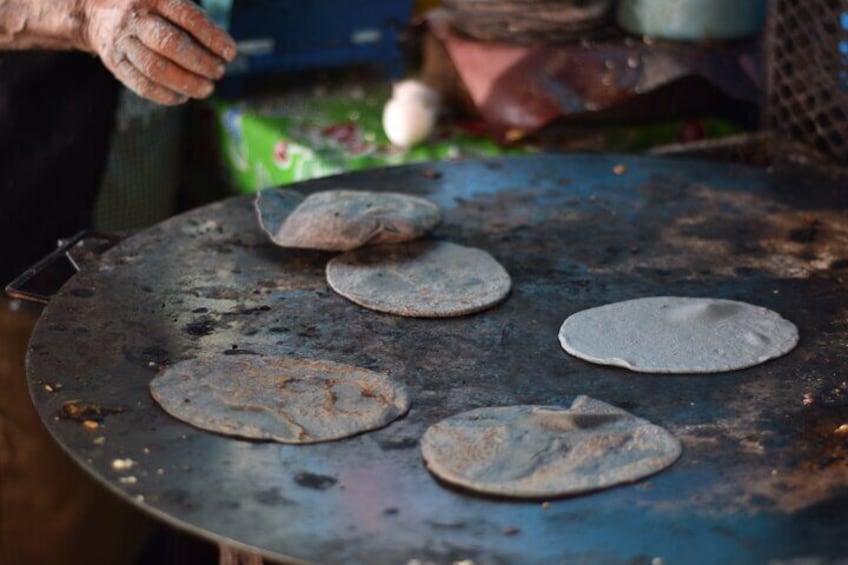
x=340, y=220
x=546, y=451
x=425, y=279
x=278, y=398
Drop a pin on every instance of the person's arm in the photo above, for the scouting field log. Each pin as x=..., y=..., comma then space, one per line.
x=165, y=50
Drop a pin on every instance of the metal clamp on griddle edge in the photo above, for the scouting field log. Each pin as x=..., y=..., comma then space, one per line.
x=16, y=290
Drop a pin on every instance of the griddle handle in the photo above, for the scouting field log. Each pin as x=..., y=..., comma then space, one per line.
x=15, y=289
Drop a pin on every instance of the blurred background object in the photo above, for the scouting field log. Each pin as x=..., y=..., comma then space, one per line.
x=692, y=20
x=663, y=76
x=528, y=21
x=290, y=35
x=144, y=170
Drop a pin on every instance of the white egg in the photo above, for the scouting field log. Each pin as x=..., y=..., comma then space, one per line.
x=410, y=115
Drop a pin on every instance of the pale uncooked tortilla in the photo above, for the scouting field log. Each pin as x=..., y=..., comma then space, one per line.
x=670, y=334
x=546, y=451
x=278, y=398
x=426, y=279
x=340, y=220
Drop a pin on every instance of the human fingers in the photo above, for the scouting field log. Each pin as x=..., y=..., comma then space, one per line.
x=162, y=71
x=170, y=41
x=126, y=72
x=193, y=20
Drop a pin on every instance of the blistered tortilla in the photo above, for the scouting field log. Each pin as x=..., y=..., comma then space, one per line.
x=340, y=220
x=546, y=451
x=671, y=334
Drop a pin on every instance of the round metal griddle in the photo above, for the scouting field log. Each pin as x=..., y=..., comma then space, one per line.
x=763, y=474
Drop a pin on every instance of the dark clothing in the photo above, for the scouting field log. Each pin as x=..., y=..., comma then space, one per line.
x=56, y=116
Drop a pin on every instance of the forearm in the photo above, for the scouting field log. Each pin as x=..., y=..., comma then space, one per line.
x=41, y=24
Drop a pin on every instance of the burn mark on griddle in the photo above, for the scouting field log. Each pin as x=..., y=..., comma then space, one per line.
x=240, y=352
x=314, y=481
x=806, y=234
x=80, y=411
x=310, y=332
x=839, y=264
x=398, y=444
x=747, y=272
x=273, y=497
x=249, y=311
x=181, y=498
x=279, y=330
x=200, y=311
x=216, y=293
x=82, y=292
x=391, y=511
x=628, y=405
x=446, y=525
x=201, y=328
x=147, y=355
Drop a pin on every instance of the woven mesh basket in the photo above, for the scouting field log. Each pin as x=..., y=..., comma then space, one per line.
x=807, y=62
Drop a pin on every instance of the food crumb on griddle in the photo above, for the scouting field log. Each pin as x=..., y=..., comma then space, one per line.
x=510, y=531
x=123, y=464
x=80, y=411
x=90, y=425
x=808, y=399
x=620, y=169
x=842, y=430
x=128, y=480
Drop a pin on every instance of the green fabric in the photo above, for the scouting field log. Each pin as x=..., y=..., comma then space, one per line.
x=295, y=138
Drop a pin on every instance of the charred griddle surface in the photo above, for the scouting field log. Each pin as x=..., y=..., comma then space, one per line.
x=763, y=473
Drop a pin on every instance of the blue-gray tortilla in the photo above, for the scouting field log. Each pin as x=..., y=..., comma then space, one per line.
x=672, y=334
x=543, y=452
x=341, y=220
x=424, y=279
x=278, y=398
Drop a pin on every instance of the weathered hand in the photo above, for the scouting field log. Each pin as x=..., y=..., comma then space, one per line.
x=164, y=50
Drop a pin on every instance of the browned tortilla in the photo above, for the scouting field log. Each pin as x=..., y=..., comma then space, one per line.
x=546, y=451
x=427, y=279
x=340, y=220
x=278, y=398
